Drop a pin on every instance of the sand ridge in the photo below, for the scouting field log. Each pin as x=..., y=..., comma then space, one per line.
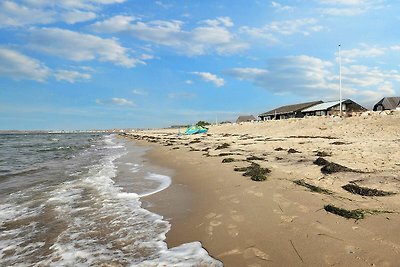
x=279, y=222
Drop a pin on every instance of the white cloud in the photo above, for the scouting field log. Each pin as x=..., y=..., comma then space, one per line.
x=364, y=52
x=71, y=76
x=212, y=36
x=348, y=7
x=280, y=7
x=209, y=77
x=272, y=30
x=40, y=12
x=315, y=78
x=12, y=14
x=189, y=82
x=224, y=21
x=80, y=47
x=121, y=101
x=115, y=24
x=184, y=95
x=73, y=4
x=139, y=92
x=17, y=66
x=76, y=16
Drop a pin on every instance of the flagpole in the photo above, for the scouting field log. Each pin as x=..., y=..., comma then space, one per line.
x=340, y=83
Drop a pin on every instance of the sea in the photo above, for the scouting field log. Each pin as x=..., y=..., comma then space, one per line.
x=76, y=200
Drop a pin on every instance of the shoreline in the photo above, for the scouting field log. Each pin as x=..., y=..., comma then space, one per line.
x=276, y=222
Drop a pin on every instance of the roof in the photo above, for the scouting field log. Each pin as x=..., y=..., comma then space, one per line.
x=323, y=106
x=388, y=102
x=245, y=118
x=290, y=108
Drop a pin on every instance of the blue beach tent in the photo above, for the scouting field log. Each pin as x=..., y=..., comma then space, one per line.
x=195, y=130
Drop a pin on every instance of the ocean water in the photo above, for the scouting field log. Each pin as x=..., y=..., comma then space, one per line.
x=75, y=200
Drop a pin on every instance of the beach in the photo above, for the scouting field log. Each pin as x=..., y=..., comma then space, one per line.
x=320, y=170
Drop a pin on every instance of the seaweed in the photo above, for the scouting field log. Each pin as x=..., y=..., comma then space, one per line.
x=279, y=149
x=365, y=191
x=223, y=146
x=256, y=173
x=320, y=161
x=338, y=143
x=313, y=188
x=356, y=214
x=225, y=154
x=332, y=167
x=323, y=154
x=227, y=160
x=240, y=169
x=255, y=158
x=348, y=214
x=292, y=150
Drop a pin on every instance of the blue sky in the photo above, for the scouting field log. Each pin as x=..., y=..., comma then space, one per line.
x=99, y=64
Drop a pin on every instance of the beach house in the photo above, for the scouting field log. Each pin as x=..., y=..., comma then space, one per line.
x=332, y=108
x=247, y=118
x=286, y=112
x=387, y=103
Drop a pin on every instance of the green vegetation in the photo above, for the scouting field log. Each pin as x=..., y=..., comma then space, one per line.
x=356, y=214
x=223, y=146
x=256, y=173
x=202, y=123
x=365, y=191
x=313, y=188
x=254, y=158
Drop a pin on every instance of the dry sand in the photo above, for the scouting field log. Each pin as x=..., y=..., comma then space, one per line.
x=277, y=222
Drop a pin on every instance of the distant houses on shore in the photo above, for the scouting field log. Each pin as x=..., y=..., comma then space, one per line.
x=387, y=103
x=315, y=108
x=320, y=108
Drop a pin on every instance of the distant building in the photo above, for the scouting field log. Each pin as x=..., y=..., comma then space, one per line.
x=289, y=111
x=387, y=103
x=245, y=119
x=333, y=107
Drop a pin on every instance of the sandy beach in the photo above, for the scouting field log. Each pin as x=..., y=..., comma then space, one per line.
x=319, y=170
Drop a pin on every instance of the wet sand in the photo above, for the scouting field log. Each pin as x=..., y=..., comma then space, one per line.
x=278, y=222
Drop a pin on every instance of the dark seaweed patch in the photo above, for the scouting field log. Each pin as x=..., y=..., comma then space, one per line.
x=313, y=188
x=323, y=154
x=356, y=214
x=332, y=167
x=255, y=158
x=364, y=191
x=256, y=172
x=240, y=169
x=227, y=160
x=338, y=143
x=321, y=161
x=279, y=149
x=292, y=150
x=223, y=146
x=348, y=214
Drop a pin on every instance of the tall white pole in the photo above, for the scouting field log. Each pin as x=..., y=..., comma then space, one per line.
x=340, y=83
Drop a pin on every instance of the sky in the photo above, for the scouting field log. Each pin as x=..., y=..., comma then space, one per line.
x=103, y=64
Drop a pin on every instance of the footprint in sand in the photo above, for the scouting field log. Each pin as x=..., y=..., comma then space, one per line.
x=215, y=223
x=288, y=219
x=232, y=230
x=238, y=218
x=350, y=249
x=211, y=215
x=255, y=252
x=257, y=194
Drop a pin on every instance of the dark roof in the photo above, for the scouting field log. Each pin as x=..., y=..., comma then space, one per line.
x=388, y=103
x=245, y=118
x=290, y=108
